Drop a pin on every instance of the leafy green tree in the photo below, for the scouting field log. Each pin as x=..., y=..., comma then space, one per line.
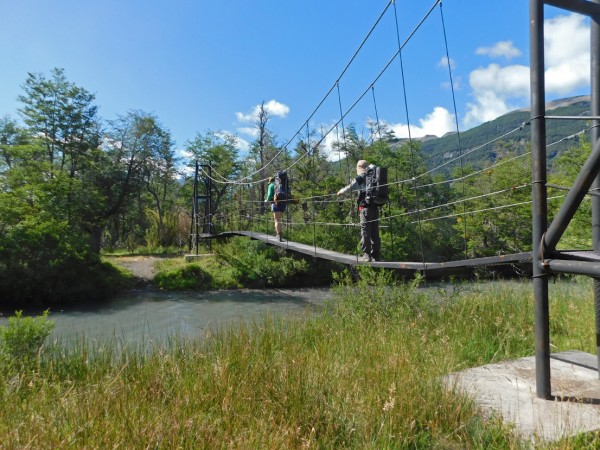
x=564, y=171
x=44, y=199
x=63, y=116
x=12, y=136
x=137, y=159
x=495, y=203
x=159, y=173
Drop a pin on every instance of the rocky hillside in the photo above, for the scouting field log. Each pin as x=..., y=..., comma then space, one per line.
x=439, y=150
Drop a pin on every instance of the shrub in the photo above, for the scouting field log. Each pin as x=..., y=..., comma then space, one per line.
x=46, y=262
x=21, y=341
x=258, y=265
x=190, y=276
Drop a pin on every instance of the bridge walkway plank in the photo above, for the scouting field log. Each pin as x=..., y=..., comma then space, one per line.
x=354, y=260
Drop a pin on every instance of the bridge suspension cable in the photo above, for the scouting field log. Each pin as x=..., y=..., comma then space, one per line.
x=307, y=148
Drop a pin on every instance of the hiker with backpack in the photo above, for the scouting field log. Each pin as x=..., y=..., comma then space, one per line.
x=367, y=183
x=277, y=194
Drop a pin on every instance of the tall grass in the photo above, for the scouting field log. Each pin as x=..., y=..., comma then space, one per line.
x=364, y=373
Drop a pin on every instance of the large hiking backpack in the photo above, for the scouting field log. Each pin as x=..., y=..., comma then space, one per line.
x=282, y=188
x=376, y=186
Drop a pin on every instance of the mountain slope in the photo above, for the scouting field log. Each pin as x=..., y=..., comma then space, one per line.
x=440, y=150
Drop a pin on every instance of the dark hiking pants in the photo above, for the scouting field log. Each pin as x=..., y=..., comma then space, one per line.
x=370, y=243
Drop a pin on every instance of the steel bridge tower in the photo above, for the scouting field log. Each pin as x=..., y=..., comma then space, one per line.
x=546, y=258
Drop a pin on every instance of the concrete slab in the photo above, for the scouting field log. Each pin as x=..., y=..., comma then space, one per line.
x=508, y=388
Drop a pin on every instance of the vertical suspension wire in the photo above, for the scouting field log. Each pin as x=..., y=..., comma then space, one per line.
x=379, y=132
x=240, y=218
x=312, y=184
x=462, y=170
x=264, y=206
x=343, y=126
x=344, y=139
x=376, y=112
x=288, y=209
x=410, y=142
x=251, y=192
x=337, y=140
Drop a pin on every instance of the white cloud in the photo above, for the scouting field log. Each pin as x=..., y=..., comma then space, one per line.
x=330, y=145
x=332, y=141
x=567, y=52
x=242, y=144
x=277, y=109
x=273, y=108
x=504, y=49
x=499, y=89
x=508, y=81
x=456, y=81
x=437, y=123
x=443, y=63
x=250, y=131
x=493, y=88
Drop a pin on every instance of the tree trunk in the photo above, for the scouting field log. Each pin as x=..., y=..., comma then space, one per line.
x=96, y=239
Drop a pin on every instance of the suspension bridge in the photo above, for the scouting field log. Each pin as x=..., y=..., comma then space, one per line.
x=431, y=205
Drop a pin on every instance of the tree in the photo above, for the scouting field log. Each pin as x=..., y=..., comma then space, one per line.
x=137, y=157
x=565, y=170
x=160, y=172
x=63, y=116
x=11, y=136
x=496, y=206
x=219, y=150
x=264, y=151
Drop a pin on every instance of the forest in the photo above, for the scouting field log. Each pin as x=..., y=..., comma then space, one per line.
x=74, y=186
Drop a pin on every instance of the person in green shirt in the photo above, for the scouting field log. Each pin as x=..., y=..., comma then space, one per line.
x=277, y=208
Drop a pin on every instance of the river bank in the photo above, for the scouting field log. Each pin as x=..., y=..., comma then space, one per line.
x=142, y=267
x=236, y=264
x=363, y=373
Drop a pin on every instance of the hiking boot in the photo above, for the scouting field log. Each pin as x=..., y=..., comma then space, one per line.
x=366, y=257
x=279, y=238
x=376, y=257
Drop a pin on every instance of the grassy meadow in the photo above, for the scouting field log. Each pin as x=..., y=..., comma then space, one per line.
x=364, y=373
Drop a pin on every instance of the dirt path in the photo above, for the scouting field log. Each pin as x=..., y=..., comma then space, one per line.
x=142, y=267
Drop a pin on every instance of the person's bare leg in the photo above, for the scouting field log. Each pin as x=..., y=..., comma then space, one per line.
x=277, y=215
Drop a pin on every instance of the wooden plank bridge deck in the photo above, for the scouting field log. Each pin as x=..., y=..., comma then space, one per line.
x=429, y=268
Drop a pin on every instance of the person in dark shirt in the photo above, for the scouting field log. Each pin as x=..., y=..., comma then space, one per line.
x=370, y=242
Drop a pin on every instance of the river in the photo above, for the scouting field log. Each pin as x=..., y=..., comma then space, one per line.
x=150, y=317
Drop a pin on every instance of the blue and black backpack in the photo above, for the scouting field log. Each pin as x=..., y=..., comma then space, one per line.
x=282, y=188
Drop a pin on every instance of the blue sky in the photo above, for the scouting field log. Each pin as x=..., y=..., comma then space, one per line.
x=201, y=65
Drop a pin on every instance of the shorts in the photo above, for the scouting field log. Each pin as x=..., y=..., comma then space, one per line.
x=278, y=208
